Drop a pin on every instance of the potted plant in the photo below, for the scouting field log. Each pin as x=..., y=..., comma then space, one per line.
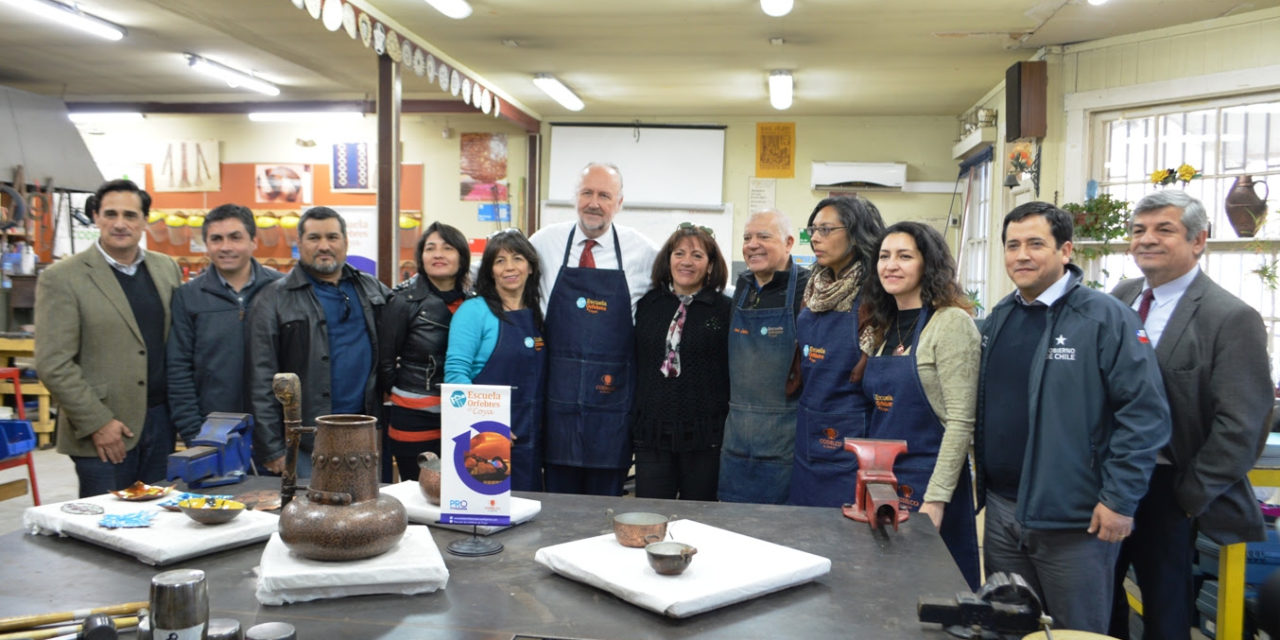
x=1102, y=218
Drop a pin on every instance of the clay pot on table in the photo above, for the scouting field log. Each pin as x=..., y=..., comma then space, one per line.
x=342, y=516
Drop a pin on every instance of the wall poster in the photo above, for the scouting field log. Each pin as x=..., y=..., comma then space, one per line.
x=484, y=167
x=775, y=149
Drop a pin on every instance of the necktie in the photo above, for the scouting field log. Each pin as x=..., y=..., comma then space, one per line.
x=1147, y=296
x=587, y=261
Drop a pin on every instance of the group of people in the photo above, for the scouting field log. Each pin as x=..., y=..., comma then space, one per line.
x=1099, y=431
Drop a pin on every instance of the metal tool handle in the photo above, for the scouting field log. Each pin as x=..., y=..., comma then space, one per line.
x=288, y=389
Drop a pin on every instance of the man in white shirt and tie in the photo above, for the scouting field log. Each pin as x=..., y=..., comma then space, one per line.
x=1212, y=351
x=593, y=273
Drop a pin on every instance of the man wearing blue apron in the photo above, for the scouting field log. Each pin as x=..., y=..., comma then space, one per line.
x=759, y=435
x=594, y=273
x=908, y=416
x=519, y=359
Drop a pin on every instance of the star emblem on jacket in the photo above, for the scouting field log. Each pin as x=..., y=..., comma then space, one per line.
x=1060, y=340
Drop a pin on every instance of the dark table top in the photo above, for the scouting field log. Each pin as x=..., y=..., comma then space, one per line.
x=871, y=591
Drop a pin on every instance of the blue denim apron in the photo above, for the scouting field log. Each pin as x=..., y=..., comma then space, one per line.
x=591, y=366
x=830, y=409
x=760, y=434
x=902, y=412
x=519, y=359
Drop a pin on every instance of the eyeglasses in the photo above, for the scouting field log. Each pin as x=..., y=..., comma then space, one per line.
x=822, y=232
x=689, y=226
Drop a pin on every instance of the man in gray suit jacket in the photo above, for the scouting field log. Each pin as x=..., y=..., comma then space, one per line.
x=101, y=320
x=1212, y=350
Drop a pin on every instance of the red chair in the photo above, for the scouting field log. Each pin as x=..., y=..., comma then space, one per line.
x=12, y=374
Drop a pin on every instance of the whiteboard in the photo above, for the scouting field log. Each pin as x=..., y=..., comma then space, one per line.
x=658, y=224
x=663, y=166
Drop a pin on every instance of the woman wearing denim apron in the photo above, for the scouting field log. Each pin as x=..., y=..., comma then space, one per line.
x=922, y=378
x=844, y=233
x=497, y=339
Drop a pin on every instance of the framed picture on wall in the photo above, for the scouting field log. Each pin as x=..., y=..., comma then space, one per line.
x=483, y=167
x=352, y=170
x=282, y=183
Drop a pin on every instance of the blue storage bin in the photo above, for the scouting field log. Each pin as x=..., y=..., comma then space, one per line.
x=19, y=438
x=1261, y=558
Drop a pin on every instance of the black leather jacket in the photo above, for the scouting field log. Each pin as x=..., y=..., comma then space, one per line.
x=413, y=337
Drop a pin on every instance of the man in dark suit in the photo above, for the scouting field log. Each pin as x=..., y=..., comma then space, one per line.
x=1212, y=350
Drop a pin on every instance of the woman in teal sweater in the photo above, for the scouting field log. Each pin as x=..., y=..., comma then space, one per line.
x=496, y=338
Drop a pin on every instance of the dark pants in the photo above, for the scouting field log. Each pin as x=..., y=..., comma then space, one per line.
x=405, y=453
x=1072, y=570
x=689, y=475
x=146, y=461
x=1161, y=552
x=592, y=482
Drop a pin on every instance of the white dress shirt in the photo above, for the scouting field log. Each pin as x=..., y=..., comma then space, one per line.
x=1049, y=295
x=1166, y=299
x=638, y=254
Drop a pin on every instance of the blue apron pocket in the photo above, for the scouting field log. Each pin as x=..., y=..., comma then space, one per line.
x=760, y=433
x=823, y=438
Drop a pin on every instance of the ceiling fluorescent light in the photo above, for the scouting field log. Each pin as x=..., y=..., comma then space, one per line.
x=780, y=89
x=232, y=77
x=456, y=9
x=558, y=92
x=1097, y=2
x=304, y=116
x=81, y=117
x=70, y=16
x=776, y=8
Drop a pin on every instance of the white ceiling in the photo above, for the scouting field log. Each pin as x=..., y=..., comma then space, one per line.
x=625, y=58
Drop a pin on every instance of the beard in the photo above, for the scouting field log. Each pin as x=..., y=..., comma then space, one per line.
x=326, y=268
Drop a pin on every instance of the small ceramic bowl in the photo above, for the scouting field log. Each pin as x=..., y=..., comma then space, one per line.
x=211, y=510
x=637, y=528
x=670, y=558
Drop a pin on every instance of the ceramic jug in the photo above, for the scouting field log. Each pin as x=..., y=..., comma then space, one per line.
x=342, y=516
x=1245, y=209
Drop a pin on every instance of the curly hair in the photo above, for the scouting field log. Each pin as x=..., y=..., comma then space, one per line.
x=487, y=287
x=938, y=285
x=717, y=270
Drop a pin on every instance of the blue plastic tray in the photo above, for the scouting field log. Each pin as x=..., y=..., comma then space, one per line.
x=19, y=438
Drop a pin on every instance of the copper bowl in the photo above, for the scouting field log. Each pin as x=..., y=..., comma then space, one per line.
x=670, y=558
x=211, y=510
x=637, y=528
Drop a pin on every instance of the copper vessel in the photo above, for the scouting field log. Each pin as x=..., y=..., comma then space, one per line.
x=1246, y=210
x=429, y=476
x=341, y=516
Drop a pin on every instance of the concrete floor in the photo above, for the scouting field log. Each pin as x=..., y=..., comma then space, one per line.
x=56, y=476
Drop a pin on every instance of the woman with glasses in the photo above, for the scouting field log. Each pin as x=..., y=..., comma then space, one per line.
x=413, y=335
x=925, y=356
x=497, y=339
x=682, y=358
x=844, y=234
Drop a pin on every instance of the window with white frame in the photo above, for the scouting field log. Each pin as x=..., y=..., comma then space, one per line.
x=973, y=243
x=1224, y=139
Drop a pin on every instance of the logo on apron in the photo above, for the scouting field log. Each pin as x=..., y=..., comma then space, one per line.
x=533, y=342
x=593, y=306
x=582, y=303
x=905, y=499
x=606, y=384
x=771, y=332
x=831, y=439
x=815, y=354
x=884, y=403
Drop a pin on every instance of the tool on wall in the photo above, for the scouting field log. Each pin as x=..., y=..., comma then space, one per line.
x=876, y=499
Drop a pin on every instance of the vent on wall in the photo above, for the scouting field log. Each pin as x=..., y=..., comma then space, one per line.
x=868, y=176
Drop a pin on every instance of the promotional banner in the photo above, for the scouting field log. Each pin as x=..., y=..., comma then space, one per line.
x=475, y=455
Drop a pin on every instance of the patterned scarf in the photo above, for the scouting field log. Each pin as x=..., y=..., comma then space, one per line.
x=827, y=292
x=671, y=365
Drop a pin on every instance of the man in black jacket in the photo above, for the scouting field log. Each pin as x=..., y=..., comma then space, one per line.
x=206, y=341
x=319, y=322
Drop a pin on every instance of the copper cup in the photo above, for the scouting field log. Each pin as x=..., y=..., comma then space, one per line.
x=637, y=528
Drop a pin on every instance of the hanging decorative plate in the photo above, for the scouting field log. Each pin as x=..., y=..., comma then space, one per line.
x=349, y=20
x=486, y=101
x=379, y=38
x=466, y=90
x=497, y=107
x=431, y=68
x=366, y=29
x=477, y=96
x=455, y=82
x=406, y=51
x=313, y=8
x=331, y=15
x=301, y=4
x=420, y=63
x=443, y=75
x=393, y=46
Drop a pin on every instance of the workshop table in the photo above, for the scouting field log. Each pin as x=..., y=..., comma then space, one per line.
x=871, y=591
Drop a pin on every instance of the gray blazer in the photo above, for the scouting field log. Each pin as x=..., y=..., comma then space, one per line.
x=89, y=349
x=1213, y=356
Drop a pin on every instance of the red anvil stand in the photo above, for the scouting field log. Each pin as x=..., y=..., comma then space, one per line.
x=877, y=490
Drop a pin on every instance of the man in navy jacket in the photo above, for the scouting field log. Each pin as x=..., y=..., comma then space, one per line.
x=1071, y=412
